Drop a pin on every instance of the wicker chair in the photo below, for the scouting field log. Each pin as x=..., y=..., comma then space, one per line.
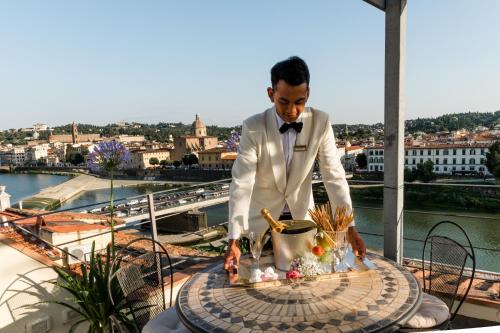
x=444, y=284
x=142, y=278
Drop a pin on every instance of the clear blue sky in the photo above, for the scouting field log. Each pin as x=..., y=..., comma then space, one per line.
x=150, y=61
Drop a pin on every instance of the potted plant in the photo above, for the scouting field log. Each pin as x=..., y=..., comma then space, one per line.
x=90, y=297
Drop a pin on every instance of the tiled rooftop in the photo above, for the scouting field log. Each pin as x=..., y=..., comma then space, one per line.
x=230, y=157
x=52, y=218
x=75, y=228
x=353, y=148
x=214, y=150
x=40, y=251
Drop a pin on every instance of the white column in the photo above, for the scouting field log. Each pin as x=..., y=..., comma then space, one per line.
x=4, y=198
x=395, y=44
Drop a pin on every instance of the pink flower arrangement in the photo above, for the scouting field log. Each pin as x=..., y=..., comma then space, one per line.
x=292, y=274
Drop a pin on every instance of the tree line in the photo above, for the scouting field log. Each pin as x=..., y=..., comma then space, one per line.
x=162, y=131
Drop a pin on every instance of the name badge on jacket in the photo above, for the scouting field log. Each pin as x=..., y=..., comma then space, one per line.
x=300, y=148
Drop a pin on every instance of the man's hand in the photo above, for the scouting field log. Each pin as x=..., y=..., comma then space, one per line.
x=233, y=254
x=357, y=243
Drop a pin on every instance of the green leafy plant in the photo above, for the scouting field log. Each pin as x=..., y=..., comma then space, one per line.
x=90, y=296
x=190, y=159
x=154, y=161
x=361, y=161
x=220, y=249
x=424, y=172
x=493, y=159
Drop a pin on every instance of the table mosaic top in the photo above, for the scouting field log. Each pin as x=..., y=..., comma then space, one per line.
x=367, y=301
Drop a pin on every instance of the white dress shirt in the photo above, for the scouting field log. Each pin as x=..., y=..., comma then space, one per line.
x=288, y=138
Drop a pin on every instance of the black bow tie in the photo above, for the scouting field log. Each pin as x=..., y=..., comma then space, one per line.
x=286, y=126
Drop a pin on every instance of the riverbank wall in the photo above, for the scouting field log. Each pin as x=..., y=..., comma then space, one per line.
x=194, y=175
x=51, y=198
x=46, y=170
x=432, y=196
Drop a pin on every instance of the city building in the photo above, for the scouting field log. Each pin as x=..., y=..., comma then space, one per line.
x=349, y=158
x=194, y=143
x=35, y=153
x=80, y=236
x=129, y=138
x=51, y=160
x=33, y=142
x=59, y=149
x=452, y=159
x=74, y=137
x=15, y=156
x=140, y=159
x=40, y=127
x=216, y=158
x=375, y=158
x=228, y=160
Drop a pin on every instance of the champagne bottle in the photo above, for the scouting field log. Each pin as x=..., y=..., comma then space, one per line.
x=273, y=224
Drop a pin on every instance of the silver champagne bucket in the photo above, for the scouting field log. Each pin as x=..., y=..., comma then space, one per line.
x=295, y=241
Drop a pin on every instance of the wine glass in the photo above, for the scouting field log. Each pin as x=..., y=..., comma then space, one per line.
x=256, y=246
x=341, y=247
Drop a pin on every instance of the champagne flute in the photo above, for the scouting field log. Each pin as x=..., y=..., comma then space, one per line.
x=341, y=247
x=256, y=246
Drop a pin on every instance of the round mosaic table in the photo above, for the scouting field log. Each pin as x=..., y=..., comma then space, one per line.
x=371, y=301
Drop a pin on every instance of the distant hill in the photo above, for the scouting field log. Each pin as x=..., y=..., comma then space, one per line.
x=162, y=131
x=452, y=122
x=447, y=122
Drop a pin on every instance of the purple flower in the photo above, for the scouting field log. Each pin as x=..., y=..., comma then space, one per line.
x=108, y=156
x=233, y=142
x=295, y=264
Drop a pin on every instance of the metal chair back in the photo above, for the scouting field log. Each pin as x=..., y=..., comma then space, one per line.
x=142, y=278
x=443, y=263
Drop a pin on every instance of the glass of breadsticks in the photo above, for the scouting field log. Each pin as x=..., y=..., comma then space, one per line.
x=332, y=232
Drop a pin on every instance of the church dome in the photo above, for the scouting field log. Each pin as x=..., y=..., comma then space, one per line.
x=198, y=123
x=198, y=128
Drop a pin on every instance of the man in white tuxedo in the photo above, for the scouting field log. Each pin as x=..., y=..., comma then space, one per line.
x=275, y=162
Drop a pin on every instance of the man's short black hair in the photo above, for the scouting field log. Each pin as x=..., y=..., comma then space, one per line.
x=293, y=71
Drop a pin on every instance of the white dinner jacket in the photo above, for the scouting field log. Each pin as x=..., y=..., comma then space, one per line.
x=259, y=173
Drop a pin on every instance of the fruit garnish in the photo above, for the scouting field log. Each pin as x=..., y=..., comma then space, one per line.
x=324, y=240
x=318, y=251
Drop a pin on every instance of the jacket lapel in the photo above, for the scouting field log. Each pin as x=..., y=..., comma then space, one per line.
x=275, y=148
x=298, y=169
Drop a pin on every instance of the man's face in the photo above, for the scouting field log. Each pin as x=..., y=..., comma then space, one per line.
x=289, y=100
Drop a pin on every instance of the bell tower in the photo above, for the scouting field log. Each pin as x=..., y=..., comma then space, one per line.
x=74, y=132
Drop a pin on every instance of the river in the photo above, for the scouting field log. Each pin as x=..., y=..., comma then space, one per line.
x=21, y=186
x=482, y=228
